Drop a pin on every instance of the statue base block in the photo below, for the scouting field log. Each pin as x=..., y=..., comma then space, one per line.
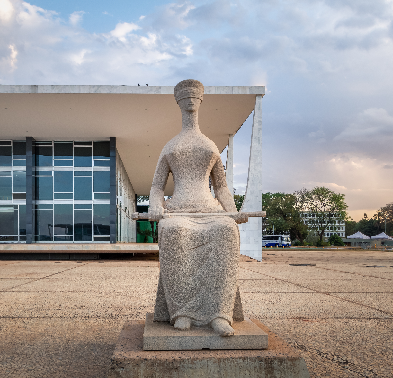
x=163, y=336
x=130, y=360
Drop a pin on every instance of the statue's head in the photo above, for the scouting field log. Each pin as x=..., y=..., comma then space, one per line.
x=189, y=94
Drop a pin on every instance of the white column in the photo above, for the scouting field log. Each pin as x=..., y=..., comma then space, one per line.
x=251, y=232
x=229, y=170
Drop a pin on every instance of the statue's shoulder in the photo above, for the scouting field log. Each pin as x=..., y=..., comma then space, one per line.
x=168, y=148
x=209, y=143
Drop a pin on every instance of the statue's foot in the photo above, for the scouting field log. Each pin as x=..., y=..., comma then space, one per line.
x=182, y=323
x=222, y=327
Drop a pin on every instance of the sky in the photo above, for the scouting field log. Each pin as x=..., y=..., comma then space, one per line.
x=326, y=64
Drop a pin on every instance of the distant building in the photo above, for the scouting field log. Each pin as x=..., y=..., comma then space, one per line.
x=338, y=226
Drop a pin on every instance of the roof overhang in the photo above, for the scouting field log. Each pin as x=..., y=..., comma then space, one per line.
x=143, y=119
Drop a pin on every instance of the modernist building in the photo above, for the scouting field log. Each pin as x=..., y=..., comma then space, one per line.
x=74, y=158
x=336, y=228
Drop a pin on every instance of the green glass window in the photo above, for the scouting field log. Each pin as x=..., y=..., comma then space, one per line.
x=44, y=225
x=43, y=156
x=101, y=219
x=19, y=181
x=19, y=150
x=101, y=150
x=83, y=157
x=101, y=181
x=42, y=206
x=63, y=219
x=63, y=163
x=62, y=196
x=5, y=156
x=82, y=188
x=8, y=220
x=82, y=225
x=83, y=206
x=22, y=219
x=102, y=196
x=19, y=154
x=5, y=188
x=19, y=163
x=102, y=163
x=63, y=181
x=44, y=188
x=63, y=150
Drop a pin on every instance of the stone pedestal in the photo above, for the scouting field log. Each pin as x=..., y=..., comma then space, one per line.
x=130, y=360
x=163, y=336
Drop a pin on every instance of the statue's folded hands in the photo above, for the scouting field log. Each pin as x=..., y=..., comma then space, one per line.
x=241, y=218
x=155, y=213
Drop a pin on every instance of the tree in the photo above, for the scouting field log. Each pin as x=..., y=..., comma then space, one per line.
x=281, y=212
x=239, y=198
x=370, y=226
x=385, y=214
x=326, y=208
x=336, y=240
x=351, y=226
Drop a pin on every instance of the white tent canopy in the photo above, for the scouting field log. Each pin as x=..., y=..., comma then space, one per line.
x=382, y=235
x=358, y=235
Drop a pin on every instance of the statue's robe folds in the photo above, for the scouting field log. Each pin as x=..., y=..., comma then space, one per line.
x=199, y=260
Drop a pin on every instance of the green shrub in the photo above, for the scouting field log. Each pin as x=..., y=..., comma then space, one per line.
x=322, y=243
x=336, y=240
x=312, y=238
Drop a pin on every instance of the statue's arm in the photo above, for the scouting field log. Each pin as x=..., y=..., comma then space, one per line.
x=156, y=198
x=220, y=187
x=223, y=195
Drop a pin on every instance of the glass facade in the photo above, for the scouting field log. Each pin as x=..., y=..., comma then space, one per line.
x=71, y=186
x=72, y=190
x=12, y=191
x=71, y=182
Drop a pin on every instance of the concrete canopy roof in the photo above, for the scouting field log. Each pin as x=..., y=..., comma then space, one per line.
x=143, y=119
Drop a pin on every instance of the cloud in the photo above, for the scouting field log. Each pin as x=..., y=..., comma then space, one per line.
x=6, y=10
x=170, y=16
x=373, y=125
x=318, y=136
x=379, y=8
x=37, y=47
x=79, y=57
x=13, y=55
x=123, y=29
x=330, y=185
x=218, y=12
x=76, y=18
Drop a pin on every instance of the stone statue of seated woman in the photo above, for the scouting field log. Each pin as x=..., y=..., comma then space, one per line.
x=198, y=255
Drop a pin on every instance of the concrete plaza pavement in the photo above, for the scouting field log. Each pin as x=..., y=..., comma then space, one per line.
x=62, y=318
